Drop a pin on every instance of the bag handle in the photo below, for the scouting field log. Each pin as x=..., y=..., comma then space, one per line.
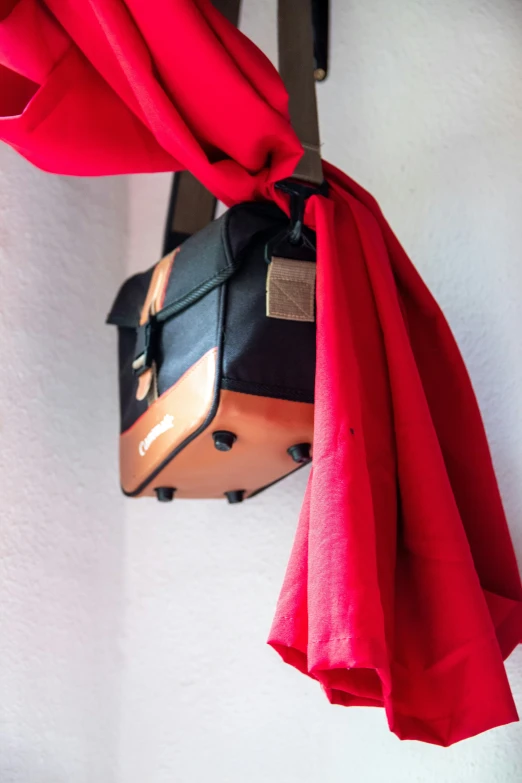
x=191, y=205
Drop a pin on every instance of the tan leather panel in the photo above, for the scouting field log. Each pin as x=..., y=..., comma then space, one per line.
x=144, y=384
x=265, y=429
x=169, y=421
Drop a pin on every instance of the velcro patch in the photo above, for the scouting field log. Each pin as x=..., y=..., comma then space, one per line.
x=290, y=290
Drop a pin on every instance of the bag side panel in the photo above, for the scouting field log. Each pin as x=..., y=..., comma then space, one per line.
x=265, y=429
x=264, y=356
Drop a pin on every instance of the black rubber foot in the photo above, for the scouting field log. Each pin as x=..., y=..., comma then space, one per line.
x=223, y=440
x=300, y=453
x=165, y=494
x=237, y=496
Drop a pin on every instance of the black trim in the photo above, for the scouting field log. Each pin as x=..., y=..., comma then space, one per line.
x=281, y=478
x=122, y=321
x=211, y=415
x=260, y=390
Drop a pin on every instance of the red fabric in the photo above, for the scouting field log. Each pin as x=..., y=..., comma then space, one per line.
x=402, y=589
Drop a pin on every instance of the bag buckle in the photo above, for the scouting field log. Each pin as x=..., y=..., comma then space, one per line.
x=299, y=193
x=146, y=346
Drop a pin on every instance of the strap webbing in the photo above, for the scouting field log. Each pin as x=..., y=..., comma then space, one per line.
x=191, y=208
x=296, y=66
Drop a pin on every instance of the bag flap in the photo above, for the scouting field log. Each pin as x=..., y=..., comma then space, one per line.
x=205, y=260
x=126, y=308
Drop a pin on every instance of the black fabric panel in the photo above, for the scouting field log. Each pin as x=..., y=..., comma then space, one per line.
x=249, y=223
x=266, y=390
x=203, y=262
x=126, y=309
x=188, y=337
x=183, y=341
x=261, y=354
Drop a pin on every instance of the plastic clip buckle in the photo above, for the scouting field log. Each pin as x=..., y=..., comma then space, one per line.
x=146, y=345
x=299, y=193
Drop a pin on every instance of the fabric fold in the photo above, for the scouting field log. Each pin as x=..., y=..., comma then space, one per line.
x=446, y=630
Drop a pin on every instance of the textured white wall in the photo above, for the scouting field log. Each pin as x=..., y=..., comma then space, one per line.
x=61, y=517
x=132, y=634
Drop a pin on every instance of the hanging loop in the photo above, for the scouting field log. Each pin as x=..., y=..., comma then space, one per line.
x=294, y=234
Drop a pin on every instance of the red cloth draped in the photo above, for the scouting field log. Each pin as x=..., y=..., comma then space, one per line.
x=402, y=589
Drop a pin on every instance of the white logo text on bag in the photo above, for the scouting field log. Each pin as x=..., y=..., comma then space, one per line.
x=165, y=424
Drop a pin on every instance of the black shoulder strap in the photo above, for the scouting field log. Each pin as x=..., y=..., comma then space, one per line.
x=191, y=206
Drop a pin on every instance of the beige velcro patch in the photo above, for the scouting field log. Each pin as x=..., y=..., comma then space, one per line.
x=290, y=290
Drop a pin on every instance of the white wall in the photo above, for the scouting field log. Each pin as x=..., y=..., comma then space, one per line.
x=62, y=544
x=132, y=635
